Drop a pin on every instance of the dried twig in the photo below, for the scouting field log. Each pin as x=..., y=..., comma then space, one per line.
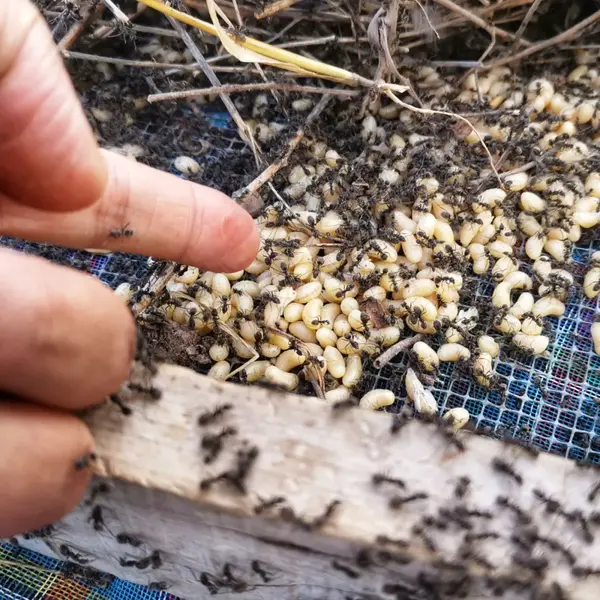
x=394, y=350
x=479, y=21
x=117, y=12
x=243, y=129
x=524, y=23
x=271, y=9
x=521, y=169
x=437, y=35
x=108, y=29
x=279, y=57
x=382, y=32
x=87, y=17
x=148, y=64
x=251, y=87
x=255, y=185
x=565, y=36
x=323, y=40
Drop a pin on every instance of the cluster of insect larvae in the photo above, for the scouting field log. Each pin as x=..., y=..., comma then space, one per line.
x=364, y=251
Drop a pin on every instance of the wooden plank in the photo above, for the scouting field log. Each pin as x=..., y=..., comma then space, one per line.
x=312, y=456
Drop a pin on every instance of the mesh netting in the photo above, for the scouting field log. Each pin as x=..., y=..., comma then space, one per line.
x=550, y=402
x=26, y=575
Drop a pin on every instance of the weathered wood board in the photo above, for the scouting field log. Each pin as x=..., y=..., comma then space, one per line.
x=212, y=541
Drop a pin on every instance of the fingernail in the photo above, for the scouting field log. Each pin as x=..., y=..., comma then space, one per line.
x=240, y=237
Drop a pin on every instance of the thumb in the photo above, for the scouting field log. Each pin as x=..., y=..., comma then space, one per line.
x=48, y=155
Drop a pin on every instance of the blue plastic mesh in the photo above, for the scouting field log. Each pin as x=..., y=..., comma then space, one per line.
x=26, y=575
x=551, y=402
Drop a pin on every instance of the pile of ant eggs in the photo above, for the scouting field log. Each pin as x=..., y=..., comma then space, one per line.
x=316, y=305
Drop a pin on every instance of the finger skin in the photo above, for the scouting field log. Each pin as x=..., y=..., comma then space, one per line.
x=171, y=218
x=48, y=154
x=66, y=340
x=39, y=447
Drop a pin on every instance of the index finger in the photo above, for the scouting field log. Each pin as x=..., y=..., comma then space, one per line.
x=48, y=155
x=148, y=212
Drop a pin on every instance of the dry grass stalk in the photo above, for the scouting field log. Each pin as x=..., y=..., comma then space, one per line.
x=243, y=129
x=274, y=8
x=524, y=23
x=565, y=36
x=87, y=17
x=117, y=12
x=479, y=21
x=248, y=88
x=258, y=51
x=147, y=64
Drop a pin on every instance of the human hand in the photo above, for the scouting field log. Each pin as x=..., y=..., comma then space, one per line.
x=66, y=341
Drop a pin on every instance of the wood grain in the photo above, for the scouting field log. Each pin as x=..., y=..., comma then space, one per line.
x=311, y=456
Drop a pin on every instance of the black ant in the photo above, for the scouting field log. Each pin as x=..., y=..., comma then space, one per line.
x=455, y=517
x=115, y=399
x=319, y=322
x=462, y=487
x=246, y=457
x=154, y=560
x=288, y=514
x=500, y=465
x=484, y=535
x=85, y=461
x=213, y=583
x=398, y=422
x=123, y=232
x=384, y=540
x=126, y=538
x=154, y=392
x=558, y=547
x=380, y=478
x=577, y=517
x=210, y=417
x=342, y=405
x=97, y=518
x=521, y=515
x=213, y=443
x=427, y=541
x=348, y=571
x=552, y=506
x=265, y=575
x=42, y=532
x=100, y=488
x=66, y=551
x=399, y=501
x=594, y=492
x=347, y=288
x=158, y=585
